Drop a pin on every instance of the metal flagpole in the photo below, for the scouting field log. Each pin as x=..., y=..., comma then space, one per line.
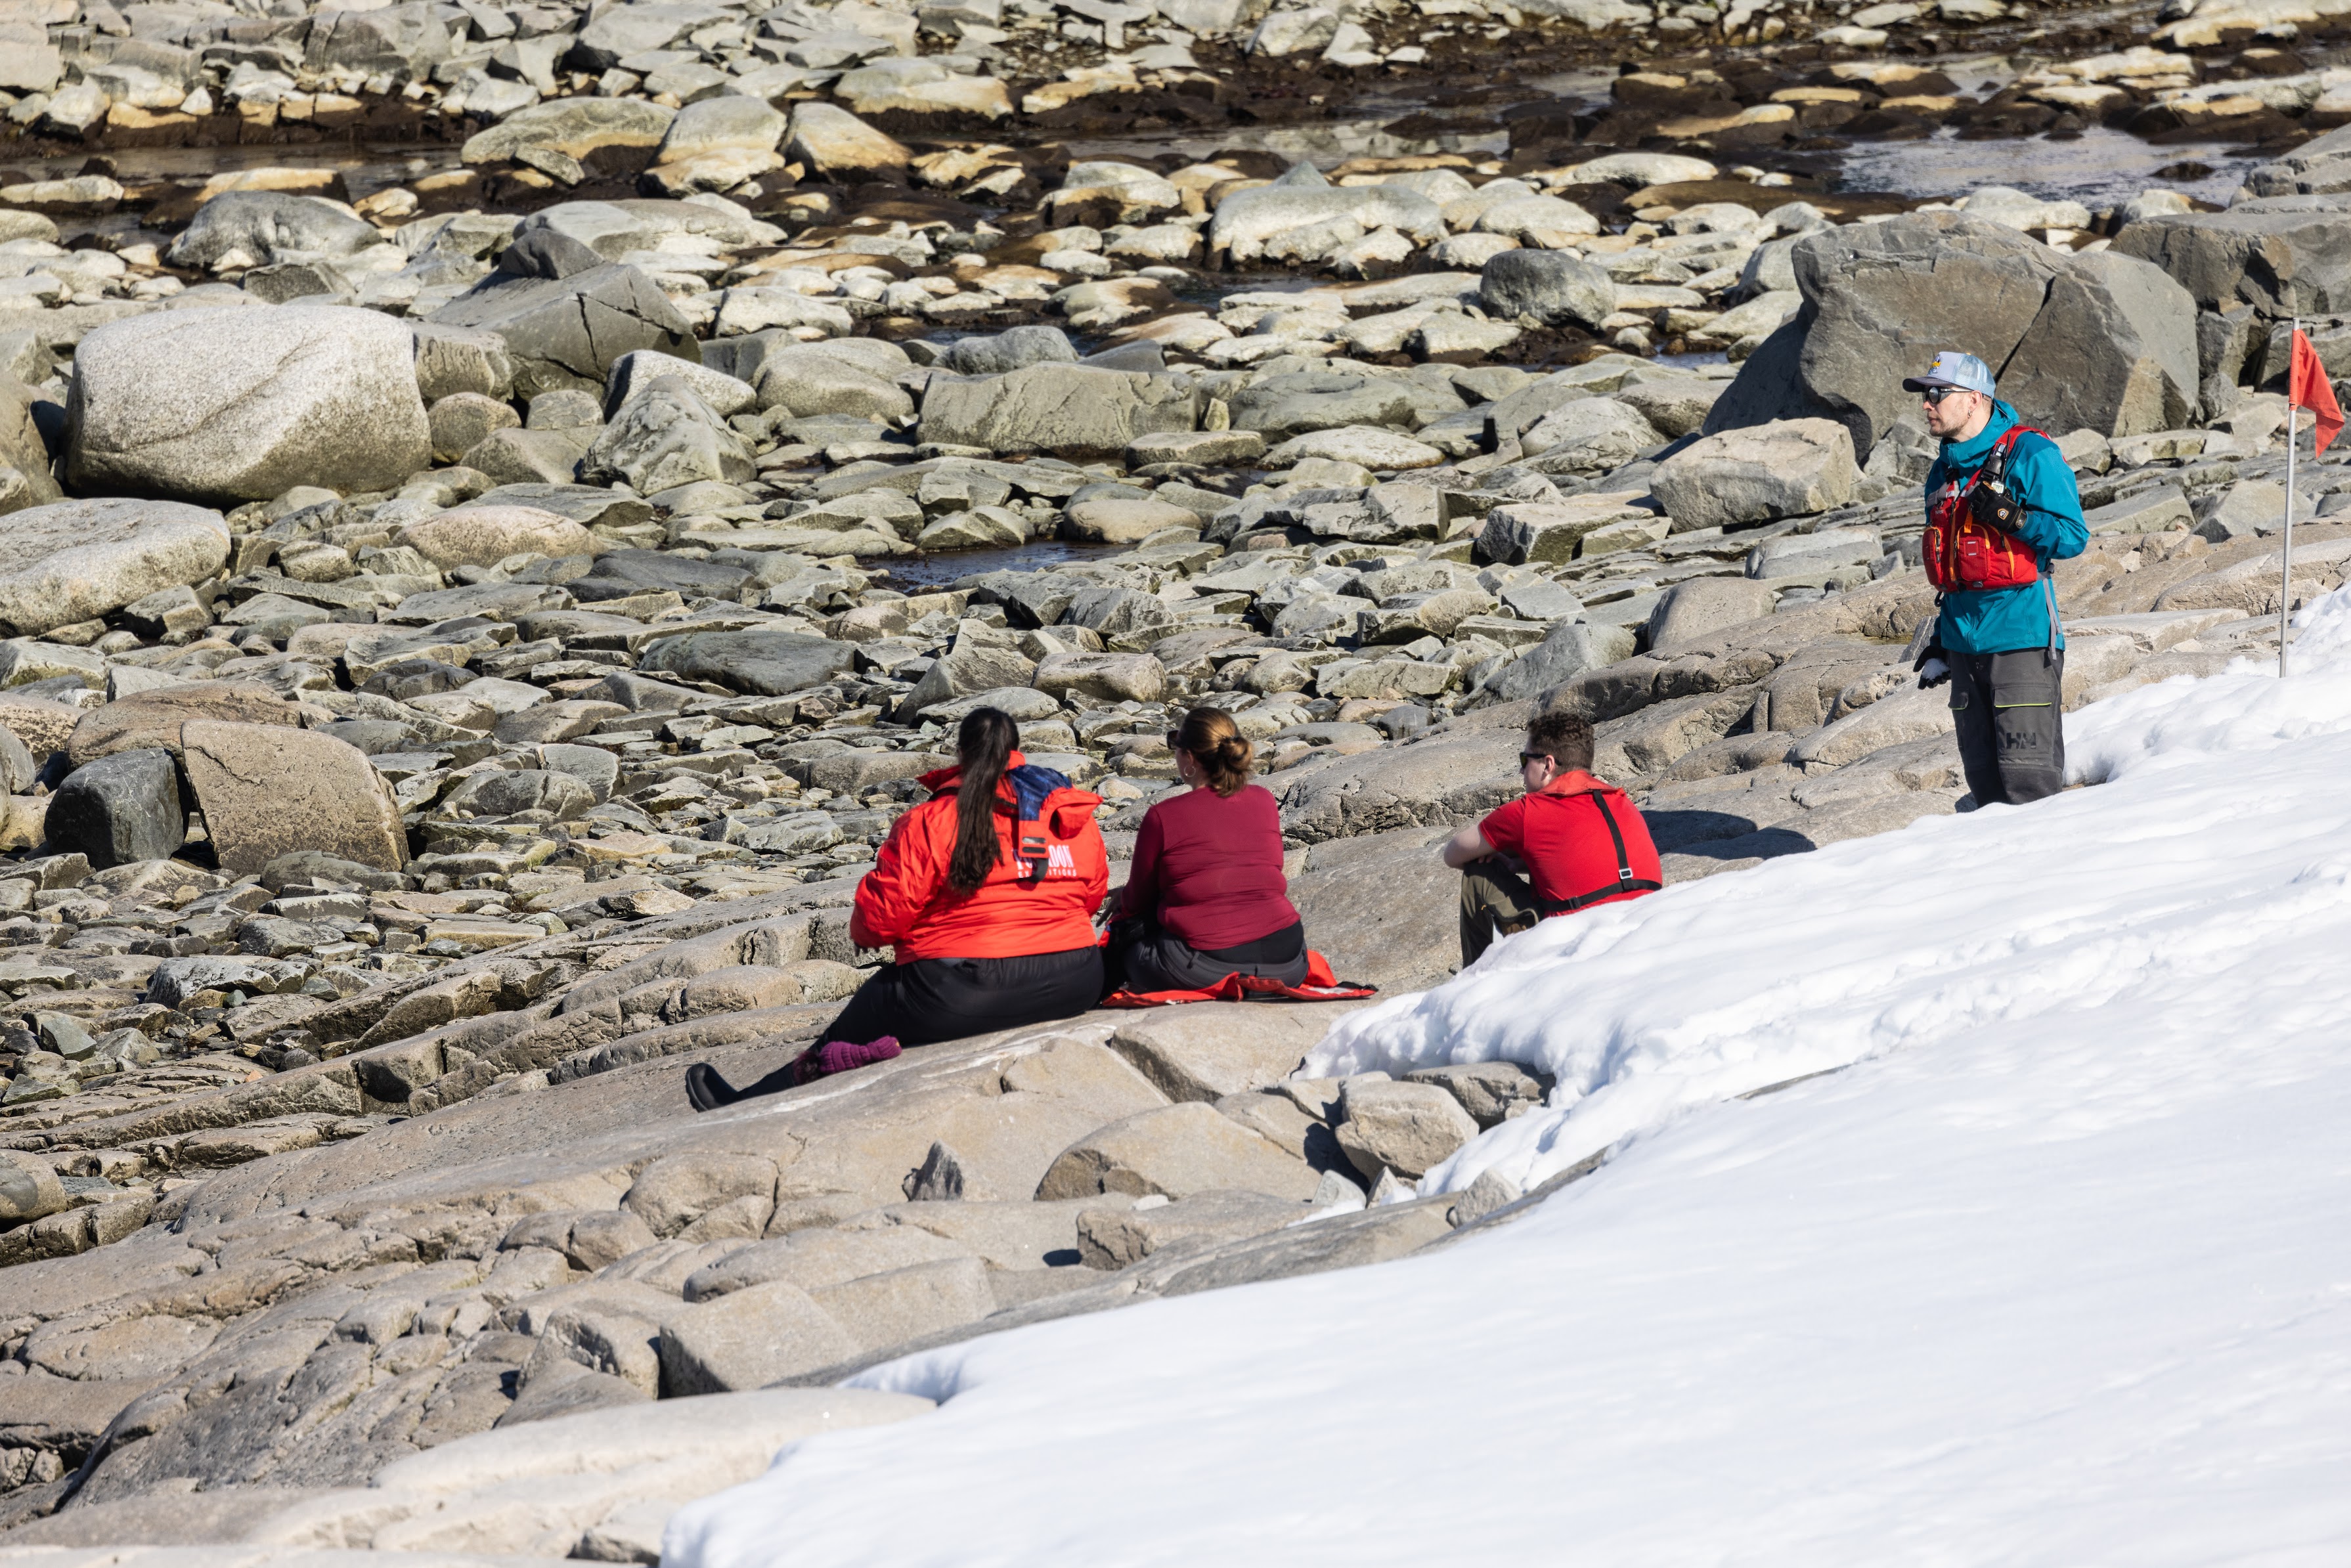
x=2293, y=431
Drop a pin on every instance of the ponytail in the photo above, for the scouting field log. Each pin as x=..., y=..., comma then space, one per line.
x=1217, y=744
x=983, y=748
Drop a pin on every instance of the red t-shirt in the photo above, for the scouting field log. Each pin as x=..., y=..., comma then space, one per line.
x=1560, y=835
x=1208, y=868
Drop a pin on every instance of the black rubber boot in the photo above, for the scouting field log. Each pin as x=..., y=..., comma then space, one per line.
x=707, y=1090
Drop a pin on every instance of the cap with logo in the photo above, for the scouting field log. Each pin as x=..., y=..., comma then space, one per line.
x=1953, y=369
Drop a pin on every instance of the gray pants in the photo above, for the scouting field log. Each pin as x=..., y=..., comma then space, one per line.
x=2009, y=710
x=1493, y=893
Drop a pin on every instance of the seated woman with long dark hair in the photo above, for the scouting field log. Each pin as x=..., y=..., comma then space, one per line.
x=987, y=890
x=1206, y=896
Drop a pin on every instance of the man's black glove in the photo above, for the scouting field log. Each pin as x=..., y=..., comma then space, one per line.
x=1996, y=508
x=1934, y=667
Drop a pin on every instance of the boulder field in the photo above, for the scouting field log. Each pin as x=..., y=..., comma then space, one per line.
x=457, y=667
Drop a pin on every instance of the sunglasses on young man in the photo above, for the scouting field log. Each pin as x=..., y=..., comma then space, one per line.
x=1937, y=394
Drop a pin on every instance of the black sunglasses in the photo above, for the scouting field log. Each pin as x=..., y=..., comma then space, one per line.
x=1527, y=757
x=1937, y=394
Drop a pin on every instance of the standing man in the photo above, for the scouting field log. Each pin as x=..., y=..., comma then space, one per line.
x=2001, y=508
x=1577, y=839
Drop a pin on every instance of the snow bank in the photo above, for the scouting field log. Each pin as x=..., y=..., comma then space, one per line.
x=2053, y=1274
x=1724, y=987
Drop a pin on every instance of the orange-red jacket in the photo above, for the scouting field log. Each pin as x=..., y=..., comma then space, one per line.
x=1582, y=841
x=905, y=899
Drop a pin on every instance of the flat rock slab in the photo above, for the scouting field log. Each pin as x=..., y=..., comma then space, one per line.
x=1176, y=1150
x=1206, y=1050
x=76, y=560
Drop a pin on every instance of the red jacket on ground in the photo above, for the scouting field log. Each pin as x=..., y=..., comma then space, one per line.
x=905, y=899
x=1561, y=837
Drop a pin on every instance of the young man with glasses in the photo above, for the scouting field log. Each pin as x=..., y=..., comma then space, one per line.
x=1570, y=841
x=2001, y=508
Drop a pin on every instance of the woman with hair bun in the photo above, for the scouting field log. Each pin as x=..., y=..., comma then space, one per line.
x=988, y=891
x=1206, y=897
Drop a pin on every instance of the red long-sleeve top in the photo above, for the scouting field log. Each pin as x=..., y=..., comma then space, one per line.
x=1208, y=868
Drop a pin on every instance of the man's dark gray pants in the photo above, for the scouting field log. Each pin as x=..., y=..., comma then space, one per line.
x=2009, y=710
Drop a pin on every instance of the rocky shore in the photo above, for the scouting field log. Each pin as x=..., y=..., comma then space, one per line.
x=464, y=643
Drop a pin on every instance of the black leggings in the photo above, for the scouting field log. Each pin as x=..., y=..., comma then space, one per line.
x=1154, y=959
x=932, y=999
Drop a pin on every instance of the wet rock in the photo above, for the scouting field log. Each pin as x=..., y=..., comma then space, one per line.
x=120, y=809
x=76, y=560
x=244, y=406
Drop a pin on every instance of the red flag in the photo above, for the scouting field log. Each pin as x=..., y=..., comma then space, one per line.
x=2307, y=387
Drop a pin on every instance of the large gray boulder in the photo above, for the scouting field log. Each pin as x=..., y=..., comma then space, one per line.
x=76, y=560
x=1705, y=604
x=1069, y=410
x=2285, y=255
x=566, y=332
x=1569, y=648
x=2101, y=342
x=1550, y=286
x=666, y=435
x=769, y=662
x=120, y=809
x=399, y=41
x=809, y=380
x=1590, y=435
x=1787, y=469
x=1009, y=350
x=2113, y=350
x=268, y=226
x=243, y=405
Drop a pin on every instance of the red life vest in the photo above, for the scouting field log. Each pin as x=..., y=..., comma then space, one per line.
x=1962, y=553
